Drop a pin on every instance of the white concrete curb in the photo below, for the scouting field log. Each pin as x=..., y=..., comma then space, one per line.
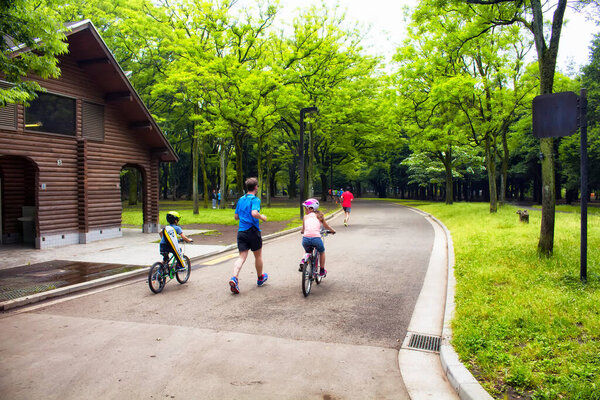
x=465, y=384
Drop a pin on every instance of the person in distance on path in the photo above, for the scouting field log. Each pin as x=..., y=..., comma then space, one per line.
x=347, y=198
x=249, y=238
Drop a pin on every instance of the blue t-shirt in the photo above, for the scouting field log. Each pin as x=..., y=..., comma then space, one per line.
x=243, y=209
x=177, y=229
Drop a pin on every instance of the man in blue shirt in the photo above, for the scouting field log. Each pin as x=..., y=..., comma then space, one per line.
x=248, y=213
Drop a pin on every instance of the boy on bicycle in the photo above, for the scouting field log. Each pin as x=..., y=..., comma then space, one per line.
x=168, y=242
x=311, y=232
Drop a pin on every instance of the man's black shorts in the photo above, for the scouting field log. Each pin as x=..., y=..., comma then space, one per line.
x=249, y=240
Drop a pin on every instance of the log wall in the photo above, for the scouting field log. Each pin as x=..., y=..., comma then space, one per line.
x=74, y=182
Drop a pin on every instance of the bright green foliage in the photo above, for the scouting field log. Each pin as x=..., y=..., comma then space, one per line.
x=460, y=87
x=28, y=25
x=590, y=81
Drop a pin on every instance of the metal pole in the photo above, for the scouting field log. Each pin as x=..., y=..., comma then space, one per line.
x=301, y=145
x=584, y=179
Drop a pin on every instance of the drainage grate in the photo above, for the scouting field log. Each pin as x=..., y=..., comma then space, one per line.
x=424, y=342
x=8, y=293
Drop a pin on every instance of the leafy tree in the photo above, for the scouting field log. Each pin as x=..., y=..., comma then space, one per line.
x=570, y=147
x=32, y=36
x=321, y=59
x=458, y=84
x=530, y=14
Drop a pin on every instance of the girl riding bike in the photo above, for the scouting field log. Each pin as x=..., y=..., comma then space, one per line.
x=311, y=232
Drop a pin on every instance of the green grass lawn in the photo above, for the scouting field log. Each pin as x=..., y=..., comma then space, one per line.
x=132, y=215
x=595, y=210
x=522, y=321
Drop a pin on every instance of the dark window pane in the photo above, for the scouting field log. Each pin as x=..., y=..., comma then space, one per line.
x=51, y=113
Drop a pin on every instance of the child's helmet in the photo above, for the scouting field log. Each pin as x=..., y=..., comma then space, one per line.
x=173, y=217
x=311, y=203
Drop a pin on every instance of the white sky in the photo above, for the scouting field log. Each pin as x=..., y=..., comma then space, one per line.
x=386, y=19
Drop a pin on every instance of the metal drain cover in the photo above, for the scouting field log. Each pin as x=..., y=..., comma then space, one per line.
x=425, y=342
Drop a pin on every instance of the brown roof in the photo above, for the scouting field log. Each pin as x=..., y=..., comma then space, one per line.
x=91, y=53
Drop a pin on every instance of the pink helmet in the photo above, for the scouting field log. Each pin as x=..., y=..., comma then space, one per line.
x=311, y=203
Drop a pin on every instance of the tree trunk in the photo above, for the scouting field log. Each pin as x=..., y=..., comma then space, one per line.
x=195, y=171
x=449, y=183
x=323, y=176
x=504, y=171
x=490, y=161
x=223, y=158
x=272, y=174
x=259, y=162
x=269, y=168
x=133, y=187
x=292, y=168
x=202, y=155
x=547, y=65
x=311, y=164
x=239, y=173
x=546, y=243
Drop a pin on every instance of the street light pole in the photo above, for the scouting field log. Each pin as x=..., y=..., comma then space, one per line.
x=303, y=111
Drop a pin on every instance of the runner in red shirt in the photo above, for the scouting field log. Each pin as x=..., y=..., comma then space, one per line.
x=347, y=198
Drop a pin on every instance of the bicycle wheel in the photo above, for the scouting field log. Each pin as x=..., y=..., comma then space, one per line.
x=307, y=277
x=183, y=275
x=156, y=278
x=318, y=278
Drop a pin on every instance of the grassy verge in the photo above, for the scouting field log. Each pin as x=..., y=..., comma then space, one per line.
x=132, y=215
x=595, y=210
x=524, y=324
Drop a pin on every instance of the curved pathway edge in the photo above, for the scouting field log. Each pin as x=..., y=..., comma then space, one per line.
x=457, y=375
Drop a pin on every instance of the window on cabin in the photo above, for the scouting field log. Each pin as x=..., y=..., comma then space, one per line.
x=93, y=121
x=8, y=113
x=51, y=113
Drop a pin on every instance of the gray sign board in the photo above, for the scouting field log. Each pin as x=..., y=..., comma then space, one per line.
x=555, y=115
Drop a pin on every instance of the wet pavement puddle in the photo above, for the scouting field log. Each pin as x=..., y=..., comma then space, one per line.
x=36, y=278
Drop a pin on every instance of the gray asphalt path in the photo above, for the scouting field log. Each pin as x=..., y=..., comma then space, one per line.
x=200, y=341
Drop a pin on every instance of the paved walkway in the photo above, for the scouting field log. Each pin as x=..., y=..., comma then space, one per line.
x=134, y=248
x=27, y=272
x=427, y=375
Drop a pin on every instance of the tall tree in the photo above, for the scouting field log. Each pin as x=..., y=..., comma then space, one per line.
x=462, y=83
x=531, y=15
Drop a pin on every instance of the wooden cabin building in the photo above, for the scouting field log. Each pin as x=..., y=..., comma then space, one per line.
x=61, y=157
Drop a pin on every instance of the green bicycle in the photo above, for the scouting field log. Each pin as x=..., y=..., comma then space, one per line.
x=162, y=272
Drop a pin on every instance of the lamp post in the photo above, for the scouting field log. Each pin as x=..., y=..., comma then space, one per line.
x=303, y=111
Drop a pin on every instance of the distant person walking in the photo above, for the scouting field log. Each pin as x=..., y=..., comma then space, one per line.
x=213, y=196
x=219, y=199
x=249, y=238
x=347, y=198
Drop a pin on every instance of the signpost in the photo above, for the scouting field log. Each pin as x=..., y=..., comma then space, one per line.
x=584, y=188
x=557, y=115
